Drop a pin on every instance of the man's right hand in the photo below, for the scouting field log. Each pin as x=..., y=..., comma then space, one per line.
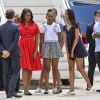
x=6, y=54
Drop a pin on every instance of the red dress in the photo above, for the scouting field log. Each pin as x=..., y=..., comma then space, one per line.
x=27, y=47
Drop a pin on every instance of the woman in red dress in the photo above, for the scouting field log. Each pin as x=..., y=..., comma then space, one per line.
x=30, y=58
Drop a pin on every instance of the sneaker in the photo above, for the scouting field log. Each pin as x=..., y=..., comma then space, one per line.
x=38, y=90
x=54, y=89
x=90, y=90
x=87, y=89
x=69, y=93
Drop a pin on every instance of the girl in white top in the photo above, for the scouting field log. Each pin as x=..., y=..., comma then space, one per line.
x=50, y=32
x=51, y=50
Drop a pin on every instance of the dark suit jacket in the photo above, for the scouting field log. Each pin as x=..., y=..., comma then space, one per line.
x=9, y=36
x=90, y=40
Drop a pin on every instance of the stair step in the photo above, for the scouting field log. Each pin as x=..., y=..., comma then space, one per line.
x=35, y=10
x=26, y=2
x=38, y=7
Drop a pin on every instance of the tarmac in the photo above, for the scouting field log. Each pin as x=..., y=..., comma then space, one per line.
x=80, y=91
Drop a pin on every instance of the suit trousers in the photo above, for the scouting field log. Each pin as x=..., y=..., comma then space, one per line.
x=91, y=67
x=10, y=79
x=1, y=76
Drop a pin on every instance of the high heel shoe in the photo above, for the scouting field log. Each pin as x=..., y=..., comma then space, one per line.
x=28, y=93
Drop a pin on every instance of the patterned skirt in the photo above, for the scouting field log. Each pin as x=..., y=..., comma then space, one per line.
x=51, y=50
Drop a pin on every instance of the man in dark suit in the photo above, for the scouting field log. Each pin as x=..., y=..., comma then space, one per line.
x=91, y=51
x=9, y=36
x=1, y=73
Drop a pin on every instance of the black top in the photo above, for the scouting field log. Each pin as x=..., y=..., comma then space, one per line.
x=80, y=50
x=90, y=40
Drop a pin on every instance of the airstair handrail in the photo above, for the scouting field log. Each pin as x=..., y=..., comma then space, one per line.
x=65, y=5
x=2, y=12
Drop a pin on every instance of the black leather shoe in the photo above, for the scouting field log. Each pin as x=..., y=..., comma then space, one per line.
x=15, y=95
x=1, y=89
x=19, y=91
x=97, y=90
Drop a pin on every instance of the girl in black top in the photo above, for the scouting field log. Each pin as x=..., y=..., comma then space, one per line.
x=75, y=49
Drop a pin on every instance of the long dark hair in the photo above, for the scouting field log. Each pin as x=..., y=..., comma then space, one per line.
x=22, y=18
x=71, y=17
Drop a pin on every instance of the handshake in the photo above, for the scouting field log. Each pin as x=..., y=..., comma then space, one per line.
x=5, y=54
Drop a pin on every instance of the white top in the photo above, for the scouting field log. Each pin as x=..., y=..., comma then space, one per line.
x=96, y=27
x=50, y=32
x=97, y=40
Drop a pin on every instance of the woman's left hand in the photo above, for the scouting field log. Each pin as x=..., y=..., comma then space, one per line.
x=34, y=55
x=72, y=54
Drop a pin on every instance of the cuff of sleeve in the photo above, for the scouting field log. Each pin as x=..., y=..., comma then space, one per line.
x=9, y=50
x=1, y=50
